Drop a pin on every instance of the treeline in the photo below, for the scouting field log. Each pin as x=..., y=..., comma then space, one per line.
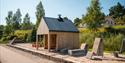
x=15, y=22
x=23, y=28
x=95, y=18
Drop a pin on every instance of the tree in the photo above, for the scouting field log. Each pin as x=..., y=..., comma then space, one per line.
x=117, y=12
x=77, y=21
x=93, y=18
x=8, y=31
x=33, y=35
x=1, y=27
x=26, y=23
x=17, y=20
x=1, y=30
x=9, y=18
x=9, y=21
x=124, y=18
x=39, y=13
x=120, y=20
x=65, y=18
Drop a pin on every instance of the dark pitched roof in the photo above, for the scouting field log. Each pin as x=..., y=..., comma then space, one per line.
x=60, y=26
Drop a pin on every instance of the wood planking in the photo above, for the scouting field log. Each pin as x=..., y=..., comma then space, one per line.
x=67, y=40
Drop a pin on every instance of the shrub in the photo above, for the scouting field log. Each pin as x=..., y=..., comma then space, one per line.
x=3, y=39
x=22, y=34
x=84, y=30
x=116, y=29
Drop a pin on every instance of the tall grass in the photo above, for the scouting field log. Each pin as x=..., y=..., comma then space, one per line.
x=112, y=41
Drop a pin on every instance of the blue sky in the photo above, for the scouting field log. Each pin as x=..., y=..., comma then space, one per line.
x=69, y=8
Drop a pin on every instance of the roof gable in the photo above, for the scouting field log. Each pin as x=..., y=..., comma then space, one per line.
x=42, y=28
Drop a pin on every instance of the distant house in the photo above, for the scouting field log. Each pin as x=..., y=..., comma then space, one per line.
x=58, y=33
x=109, y=21
x=82, y=25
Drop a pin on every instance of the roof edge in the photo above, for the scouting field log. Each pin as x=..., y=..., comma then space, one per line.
x=63, y=31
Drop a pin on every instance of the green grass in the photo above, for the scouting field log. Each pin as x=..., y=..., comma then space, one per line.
x=104, y=51
x=119, y=27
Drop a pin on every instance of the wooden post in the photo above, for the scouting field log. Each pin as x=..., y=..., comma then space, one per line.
x=48, y=42
x=37, y=42
x=44, y=41
x=57, y=44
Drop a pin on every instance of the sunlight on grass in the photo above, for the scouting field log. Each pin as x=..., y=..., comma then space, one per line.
x=119, y=27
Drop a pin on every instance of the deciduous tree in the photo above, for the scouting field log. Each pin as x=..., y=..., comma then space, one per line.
x=94, y=16
x=77, y=21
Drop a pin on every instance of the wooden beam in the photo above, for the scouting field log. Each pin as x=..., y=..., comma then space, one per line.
x=37, y=42
x=48, y=42
x=44, y=40
x=57, y=44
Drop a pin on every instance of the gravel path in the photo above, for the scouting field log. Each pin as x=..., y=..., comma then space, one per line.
x=11, y=55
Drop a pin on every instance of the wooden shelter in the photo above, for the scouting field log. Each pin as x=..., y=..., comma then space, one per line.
x=58, y=33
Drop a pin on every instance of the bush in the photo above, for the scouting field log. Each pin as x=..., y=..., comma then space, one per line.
x=116, y=29
x=84, y=30
x=3, y=39
x=22, y=34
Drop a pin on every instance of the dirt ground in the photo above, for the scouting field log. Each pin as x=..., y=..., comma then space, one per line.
x=10, y=55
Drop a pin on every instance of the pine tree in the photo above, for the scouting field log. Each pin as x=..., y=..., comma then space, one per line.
x=94, y=16
x=39, y=13
x=26, y=22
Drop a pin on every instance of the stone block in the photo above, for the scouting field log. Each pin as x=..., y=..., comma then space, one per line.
x=79, y=52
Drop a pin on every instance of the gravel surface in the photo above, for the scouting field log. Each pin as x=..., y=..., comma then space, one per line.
x=11, y=55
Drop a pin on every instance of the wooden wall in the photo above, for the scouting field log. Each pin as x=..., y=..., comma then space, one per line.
x=67, y=40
